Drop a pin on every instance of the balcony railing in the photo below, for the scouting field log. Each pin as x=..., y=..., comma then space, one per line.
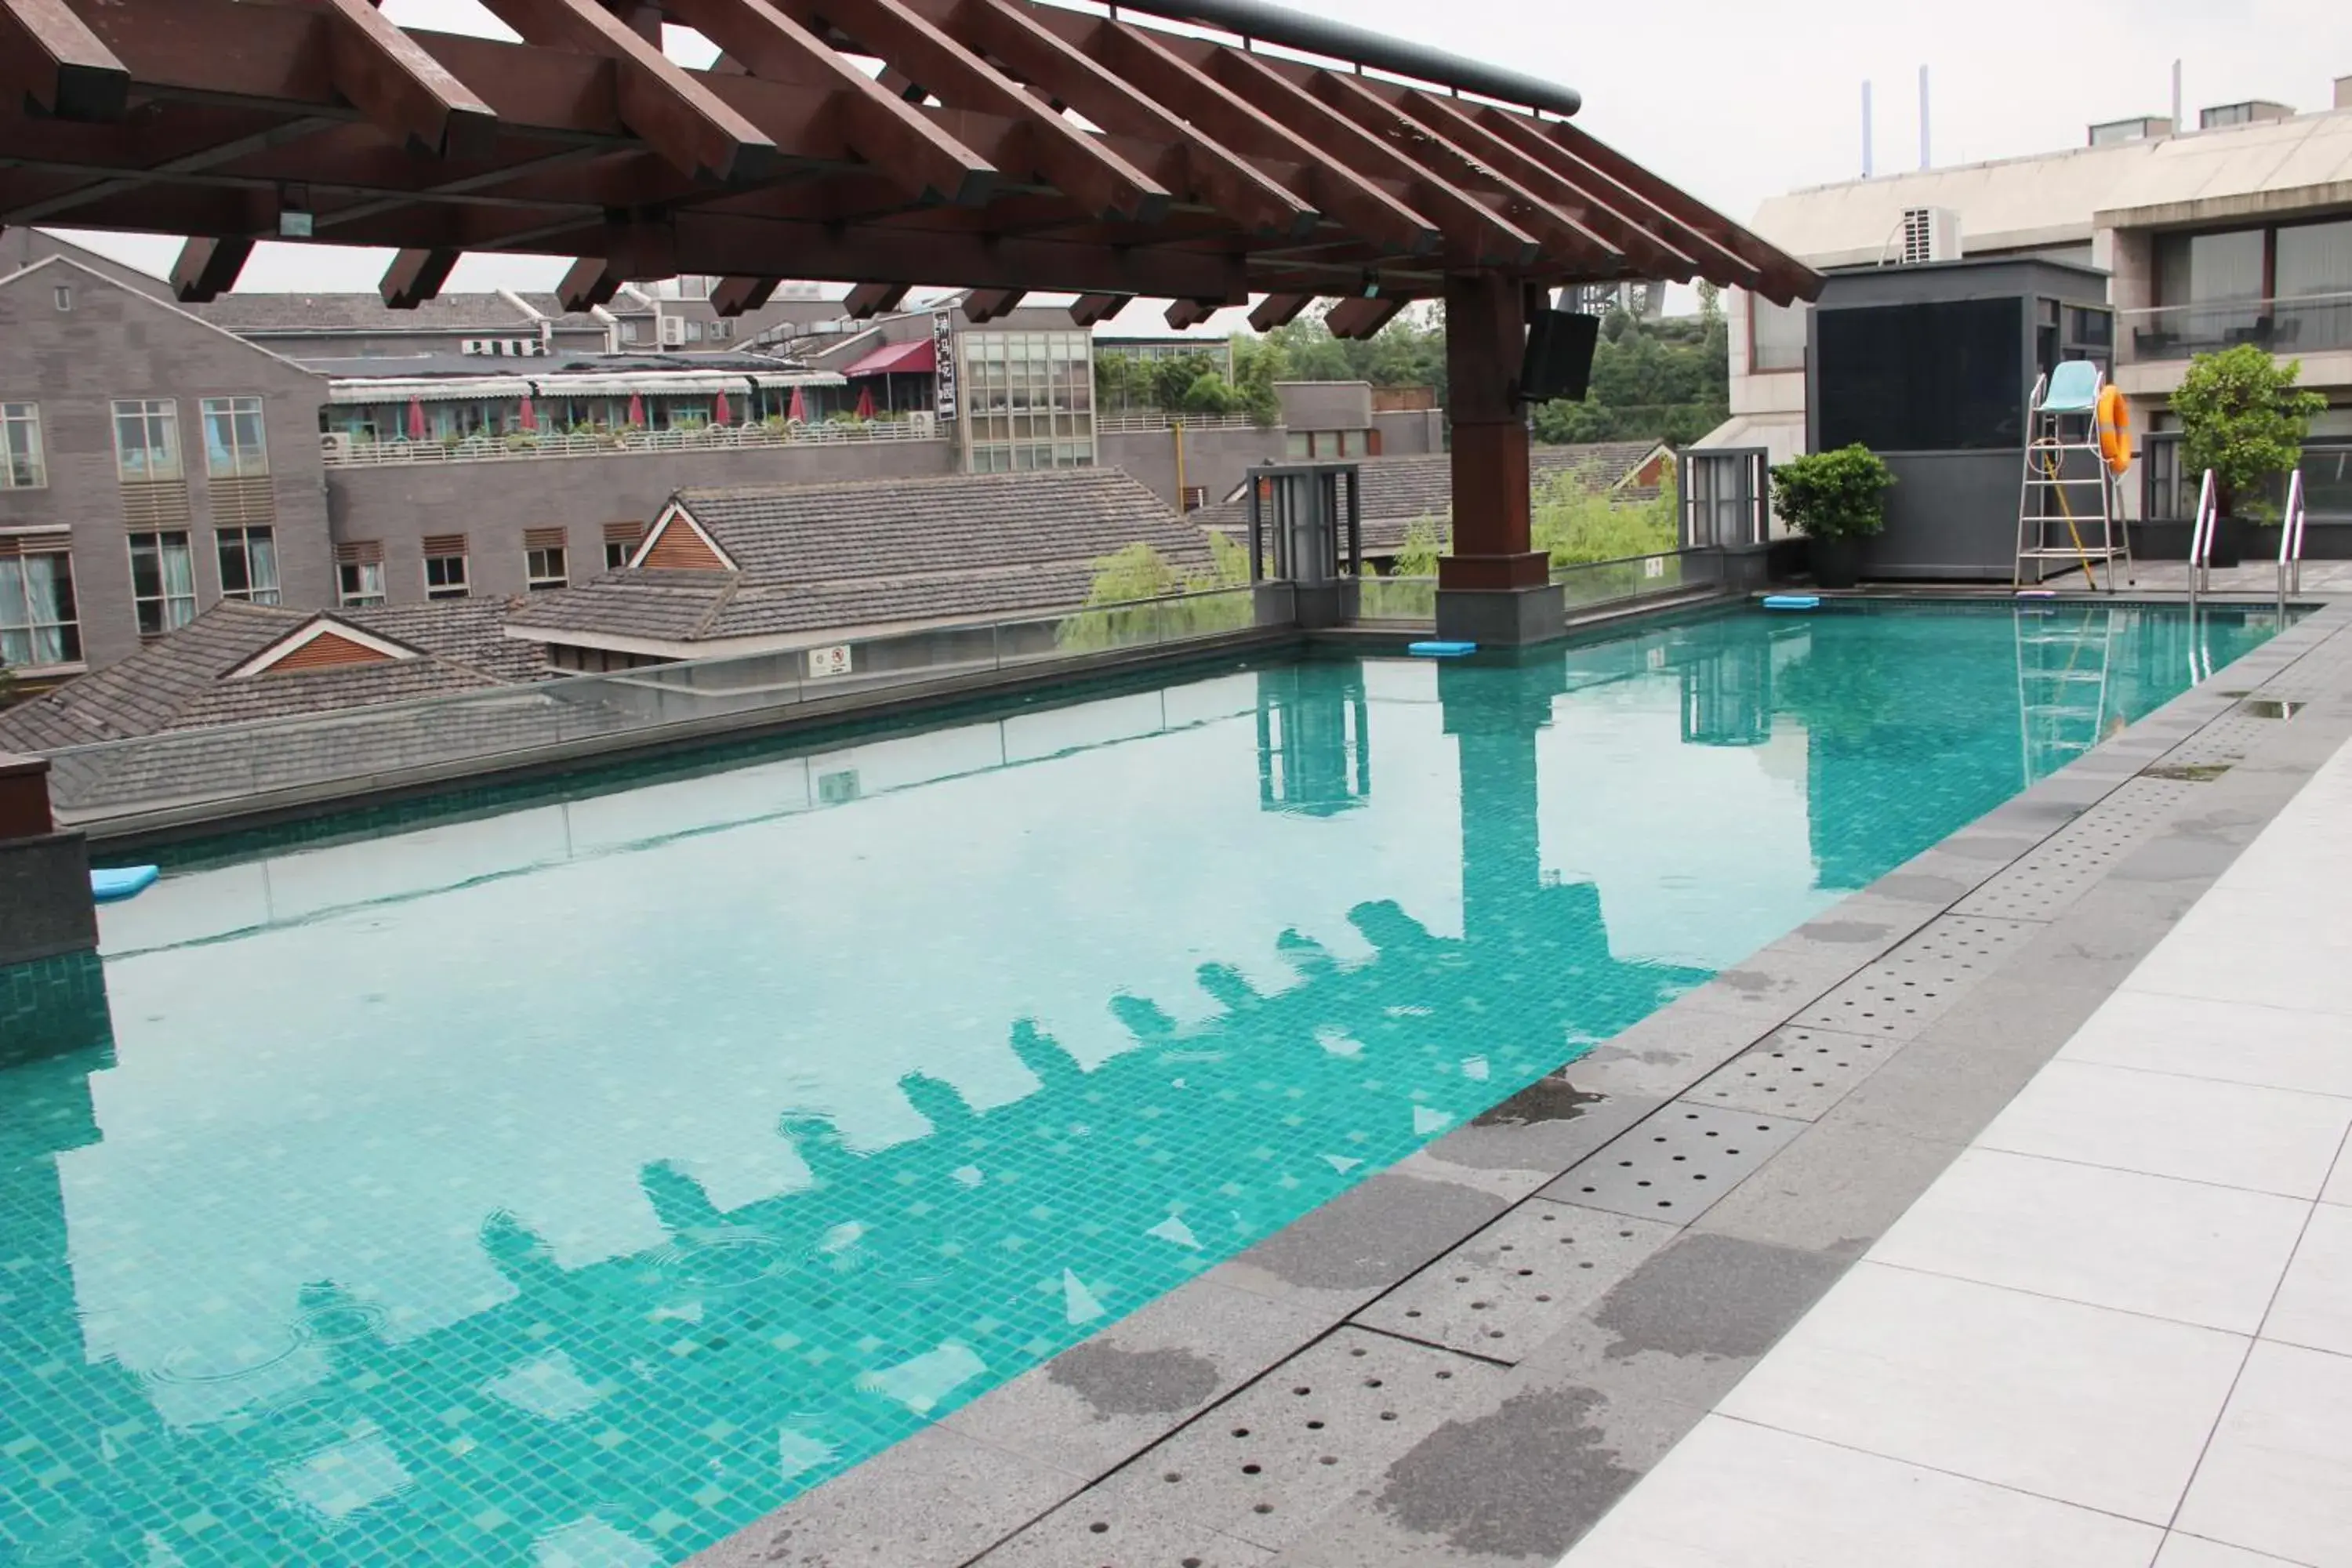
x=1147, y=424
x=2308, y=323
x=342, y=450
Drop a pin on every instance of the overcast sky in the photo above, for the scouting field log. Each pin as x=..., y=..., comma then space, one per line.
x=1733, y=100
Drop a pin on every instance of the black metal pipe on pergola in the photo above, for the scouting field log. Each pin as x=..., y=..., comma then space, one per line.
x=1006, y=147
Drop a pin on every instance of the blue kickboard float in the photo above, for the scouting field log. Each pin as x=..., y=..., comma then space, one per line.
x=1792, y=600
x=1441, y=649
x=113, y=887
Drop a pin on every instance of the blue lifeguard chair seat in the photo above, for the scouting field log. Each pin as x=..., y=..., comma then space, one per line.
x=2073, y=388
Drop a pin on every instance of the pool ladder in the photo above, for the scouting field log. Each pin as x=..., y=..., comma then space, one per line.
x=2290, y=556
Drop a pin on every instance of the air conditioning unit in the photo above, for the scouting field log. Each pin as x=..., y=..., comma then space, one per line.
x=1930, y=234
x=923, y=423
x=673, y=332
x=335, y=445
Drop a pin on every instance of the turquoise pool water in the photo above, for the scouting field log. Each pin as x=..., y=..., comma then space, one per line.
x=569, y=1187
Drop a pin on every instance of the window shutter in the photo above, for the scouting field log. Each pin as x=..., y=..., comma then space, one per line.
x=543, y=539
x=445, y=544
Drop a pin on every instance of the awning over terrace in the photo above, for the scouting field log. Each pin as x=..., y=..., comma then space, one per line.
x=899, y=359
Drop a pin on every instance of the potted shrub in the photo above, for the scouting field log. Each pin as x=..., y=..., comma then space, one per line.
x=2243, y=416
x=1836, y=499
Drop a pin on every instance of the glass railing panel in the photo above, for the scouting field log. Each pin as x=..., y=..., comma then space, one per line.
x=2297, y=324
x=1396, y=599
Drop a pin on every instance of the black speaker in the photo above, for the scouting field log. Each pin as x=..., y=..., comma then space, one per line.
x=1558, y=361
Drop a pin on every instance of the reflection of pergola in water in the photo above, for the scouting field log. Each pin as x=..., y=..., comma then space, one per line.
x=1006, y=147
x=867, y=1264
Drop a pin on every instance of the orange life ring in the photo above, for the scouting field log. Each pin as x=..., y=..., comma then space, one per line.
x=2114, y=429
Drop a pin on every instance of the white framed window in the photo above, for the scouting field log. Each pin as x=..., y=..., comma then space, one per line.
x=38, y=624
x=21, y=468
x=147, y=438
x=544, y=564
x=163, y=581
x=248, y=564
x=359, y=583
x=445, y=567
x=234, y=444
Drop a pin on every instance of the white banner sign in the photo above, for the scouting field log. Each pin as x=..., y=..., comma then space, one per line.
x=943, y=353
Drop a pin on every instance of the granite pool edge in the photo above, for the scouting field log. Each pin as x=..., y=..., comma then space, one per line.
x=1507, y=1458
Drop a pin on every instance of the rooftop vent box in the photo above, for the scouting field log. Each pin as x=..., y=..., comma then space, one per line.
x=2147, y=128
x=2252, y=113
x=1928, y=234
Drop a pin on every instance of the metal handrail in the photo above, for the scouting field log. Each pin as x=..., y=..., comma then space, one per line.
x=2201, y=538
x=2290, y=556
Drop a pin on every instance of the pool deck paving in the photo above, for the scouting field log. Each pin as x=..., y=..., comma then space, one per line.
x=2031, y=1150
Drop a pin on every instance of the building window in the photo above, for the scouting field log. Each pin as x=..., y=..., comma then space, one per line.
x=1776, y=335
x=147, y=438
x=163, y=581
x=20, y=447
x=1028, y=399
x=233, y=446
x=38, y=622
x=248, y=564
x=543, y=561
x=445, y=567
x=621, y=542
x=359, y=574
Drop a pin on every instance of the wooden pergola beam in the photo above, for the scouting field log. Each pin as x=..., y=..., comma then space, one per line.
x=1776, y=276
x=733, y=296
x=1278, y=310
x=1361, y=318
x=885, y=130
x=414, y=277
x=1323, y=119
x=391, y=80
x=588, y=284
x=921, y=51
x=671, y=108
x=49, y=55
x=1021, y=39
x=983, y=306
x=1186, y=314
x=207, y=269
x=1088, y=309
x=870, y=300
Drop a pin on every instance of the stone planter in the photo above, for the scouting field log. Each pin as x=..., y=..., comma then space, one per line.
x=1836, y=563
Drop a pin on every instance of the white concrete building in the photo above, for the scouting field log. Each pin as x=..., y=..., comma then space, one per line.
x=2239, y=233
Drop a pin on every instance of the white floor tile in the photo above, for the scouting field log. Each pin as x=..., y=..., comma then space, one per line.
x=2188, y=1552
x=2079, y=1404
x=2230, y=1134
x=2182, y=1250
x=2244, y=947
x=2235, y=1041
x=1731, y=1495
x=2278, y=1476
x=2339, y=1184
x=2314, y=1305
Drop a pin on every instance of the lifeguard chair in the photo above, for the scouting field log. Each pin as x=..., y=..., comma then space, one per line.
x=2078, y=443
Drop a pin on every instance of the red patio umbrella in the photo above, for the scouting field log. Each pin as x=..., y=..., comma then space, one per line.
x=530, y=417
x=798, y=412
x=721, y=414
x=865, y=402
x=637, y=412
x=416, y=419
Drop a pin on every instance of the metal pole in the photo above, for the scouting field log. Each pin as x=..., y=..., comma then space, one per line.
x=1925, y=162
x=1865, y=130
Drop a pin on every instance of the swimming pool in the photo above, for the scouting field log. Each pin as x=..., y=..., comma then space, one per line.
x=573, y=1184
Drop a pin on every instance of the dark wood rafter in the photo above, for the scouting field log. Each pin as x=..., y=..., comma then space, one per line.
x=733, y=296
x=1278, y=310
x=672, y=107
x=1088, y=309
x=208, y=269
x=983, y=306
x=414, y=277
x=401, y=89
x=589, y=284
x=1361, y=318
x=1185, y=314
x=870, y=300
x=50, y=56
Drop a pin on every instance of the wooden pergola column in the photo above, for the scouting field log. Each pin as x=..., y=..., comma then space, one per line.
x=1492, y=587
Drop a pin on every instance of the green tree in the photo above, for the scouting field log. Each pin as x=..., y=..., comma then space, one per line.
x=1210, y=393
x=2243, y=416
x=1179, y=604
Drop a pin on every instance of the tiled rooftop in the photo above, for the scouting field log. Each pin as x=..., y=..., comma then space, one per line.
x=825, y=557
